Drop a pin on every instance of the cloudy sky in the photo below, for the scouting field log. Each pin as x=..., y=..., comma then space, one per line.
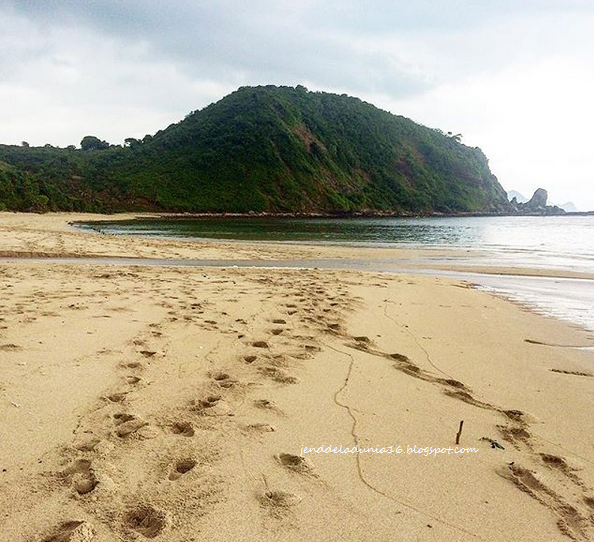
x=515, y=77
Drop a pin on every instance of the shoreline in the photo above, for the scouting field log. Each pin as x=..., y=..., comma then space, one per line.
x=180, y=398
x=528, y=289
x=353, y=215
x=477, y=267
x=379, y=265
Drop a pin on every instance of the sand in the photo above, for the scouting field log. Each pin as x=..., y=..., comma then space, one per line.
x=174, y=404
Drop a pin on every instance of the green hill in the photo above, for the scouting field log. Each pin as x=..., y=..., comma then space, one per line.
x=275, y=149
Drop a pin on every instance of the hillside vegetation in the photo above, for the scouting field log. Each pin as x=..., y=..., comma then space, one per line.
x=273, y=149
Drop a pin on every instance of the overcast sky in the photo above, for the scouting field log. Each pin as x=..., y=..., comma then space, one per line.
x=515, y=77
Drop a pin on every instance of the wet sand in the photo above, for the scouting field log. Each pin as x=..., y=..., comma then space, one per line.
x=174, y=403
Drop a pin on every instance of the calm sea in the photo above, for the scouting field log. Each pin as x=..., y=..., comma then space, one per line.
x=565, y=242
x=562, y=243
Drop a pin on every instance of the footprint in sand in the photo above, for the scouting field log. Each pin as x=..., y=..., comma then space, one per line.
x=279, y=375
x=571, y=522
x=183, y=429
x=260, y=344
x=460, y=394
x=81, y=476
x=250, y=358
x=147, y=353
x=453, y=383
x=279, y=360
x=116, y=397
x=260, y=428
x=72, y=531
x=516, y=435
x=133, y=365
x=266, y=404
x=224, y=380
x=555, y=461
x=212, y=405
x=86, y=443
x=296, y=463
x=127, y=424
x=133, y=380
x=10, y=347
x=559, y=463
x=279, y=501
x=182, y=467
x=146, y=520
x=281, y=498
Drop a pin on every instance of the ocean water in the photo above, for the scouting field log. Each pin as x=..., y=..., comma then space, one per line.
x=564, y=243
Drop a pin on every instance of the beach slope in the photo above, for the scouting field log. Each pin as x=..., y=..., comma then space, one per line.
x=196, y=403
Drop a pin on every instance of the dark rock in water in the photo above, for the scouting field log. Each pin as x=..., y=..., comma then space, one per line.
x=538, y=200
x=537, y=205
x=520, y=198
x=553, y=210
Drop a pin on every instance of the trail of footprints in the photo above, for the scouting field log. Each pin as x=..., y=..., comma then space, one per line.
x=515, y=430
x=273, y=348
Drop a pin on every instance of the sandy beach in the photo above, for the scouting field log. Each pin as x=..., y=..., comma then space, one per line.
x=183, y=404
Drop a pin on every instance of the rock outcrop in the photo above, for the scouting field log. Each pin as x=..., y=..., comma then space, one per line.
x=538, y=201
x=537, y=205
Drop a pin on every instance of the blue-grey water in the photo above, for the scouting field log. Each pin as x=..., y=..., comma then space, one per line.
x=564, y=243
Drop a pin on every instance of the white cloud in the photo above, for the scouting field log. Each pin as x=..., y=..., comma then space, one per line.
x=73, y=83
x=515, y=80
x=527, y=105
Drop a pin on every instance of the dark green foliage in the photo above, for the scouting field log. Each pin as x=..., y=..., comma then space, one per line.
x=276, y=149
x=19, y=191
x=92, y=143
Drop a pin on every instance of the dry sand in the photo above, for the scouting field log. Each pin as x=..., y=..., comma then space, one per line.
x=173, y=404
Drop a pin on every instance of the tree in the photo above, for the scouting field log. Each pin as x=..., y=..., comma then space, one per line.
x=89, y=143
x=24, y=144
x=131, y=142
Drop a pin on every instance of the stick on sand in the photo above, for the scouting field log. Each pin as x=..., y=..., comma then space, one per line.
x=459, y=433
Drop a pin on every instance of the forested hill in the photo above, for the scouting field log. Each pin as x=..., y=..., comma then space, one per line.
x=274, y=149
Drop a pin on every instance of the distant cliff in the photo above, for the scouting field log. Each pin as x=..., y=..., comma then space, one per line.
x=569, y=207
x=262, y=149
